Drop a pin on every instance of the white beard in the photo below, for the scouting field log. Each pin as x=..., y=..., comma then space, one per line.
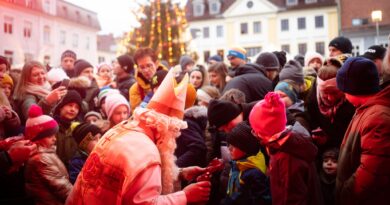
x=166, y=130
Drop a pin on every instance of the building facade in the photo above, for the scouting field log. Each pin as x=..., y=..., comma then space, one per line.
x=106, y=46
x=357, y=24
x=42, y=29
x=295, y=26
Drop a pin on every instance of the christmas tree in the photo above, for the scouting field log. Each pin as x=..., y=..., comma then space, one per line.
x=162, y=27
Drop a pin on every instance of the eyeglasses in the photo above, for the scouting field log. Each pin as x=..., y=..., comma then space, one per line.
x=147, y=66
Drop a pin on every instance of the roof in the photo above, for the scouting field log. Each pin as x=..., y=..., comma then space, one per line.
x=206, y=16
x=77, y=14
x=303, y=5
x=105, y=42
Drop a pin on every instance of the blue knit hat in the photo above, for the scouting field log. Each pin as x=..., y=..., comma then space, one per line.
x=288, y=90
x=358, y=76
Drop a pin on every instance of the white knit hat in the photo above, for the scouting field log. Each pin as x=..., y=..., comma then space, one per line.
x=56, y=75
x=113, y=101
x=310, y=55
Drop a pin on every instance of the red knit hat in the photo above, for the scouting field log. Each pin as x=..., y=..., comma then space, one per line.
x=268, y=116
x=38, y=125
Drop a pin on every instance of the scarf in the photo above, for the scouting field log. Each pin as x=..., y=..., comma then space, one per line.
x=325, y=108
x=39, y=90
x=238, y=167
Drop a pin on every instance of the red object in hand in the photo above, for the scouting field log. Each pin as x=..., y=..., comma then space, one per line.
x=214, y=166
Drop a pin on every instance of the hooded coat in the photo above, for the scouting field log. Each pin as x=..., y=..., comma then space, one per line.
x=363, y=171
x=251, y=80
x=191, y=147
x=292, y=170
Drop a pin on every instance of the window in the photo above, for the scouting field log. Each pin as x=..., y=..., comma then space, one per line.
x=8, y=22
x=286, y=48
x=291, y=2
x=355, y=50
x=244, y=28
x=30, y=3
x=89, y=20
x=206, y=55
x=359, y=21
x=28, y=57
x=310, y=1
x=221, y=53
x=206, y=32
x=78, y=17
x=319, y=21
x=63, y=37
x=301, y=23
x=302, y=48
x=75, y=42
x=219, y=31
x=252, y=51
x=46, y=34
x=257, y=27
x=284, y=24
x=194, y=33
x=87, y=43
x=46, y=6
x=320, y=48
x=65, y=10
x=27, y=29
x=214, y=6
x=101, y=59
x=198, y=8
x=9, y=55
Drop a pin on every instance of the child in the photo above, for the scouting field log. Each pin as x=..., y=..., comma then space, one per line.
x=66, y=114
x=328, y=175
x=292, y=170
x=47, y=179
x=92, y=117
x=248, y=183
x=86, y=136
x=117, y=109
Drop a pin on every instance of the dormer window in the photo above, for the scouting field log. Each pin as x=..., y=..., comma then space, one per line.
x=215, y=6
x=291, y=2
x=198, y=7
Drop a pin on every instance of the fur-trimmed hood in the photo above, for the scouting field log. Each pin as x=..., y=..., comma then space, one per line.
x=197, y=114
x=80, y=82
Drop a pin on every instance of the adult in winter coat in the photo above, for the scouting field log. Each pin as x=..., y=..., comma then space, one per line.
x=148, y=65
x=327, y=107
x=191, y=147
x=250, y=79
x=33, y=88
x=124, y=71
x=363, y=170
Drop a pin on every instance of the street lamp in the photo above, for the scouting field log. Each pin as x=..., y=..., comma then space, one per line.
x=376, y=17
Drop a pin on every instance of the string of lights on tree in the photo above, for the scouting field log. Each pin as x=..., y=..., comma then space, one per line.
x=162, y=27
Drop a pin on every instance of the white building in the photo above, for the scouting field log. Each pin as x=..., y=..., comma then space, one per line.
x=261, y=25
x=42, y=29
x=106, y=46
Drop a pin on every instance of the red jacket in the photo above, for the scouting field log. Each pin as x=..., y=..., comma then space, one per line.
x=363, y=172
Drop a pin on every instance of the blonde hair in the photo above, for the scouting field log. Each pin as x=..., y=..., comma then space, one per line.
x=20, y=89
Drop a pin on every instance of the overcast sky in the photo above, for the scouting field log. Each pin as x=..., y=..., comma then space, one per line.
x=114, y=15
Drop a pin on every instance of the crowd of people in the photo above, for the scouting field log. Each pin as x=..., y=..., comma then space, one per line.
x=310, y=130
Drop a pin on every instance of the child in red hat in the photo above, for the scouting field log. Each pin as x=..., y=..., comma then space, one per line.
x=47, y=179
x=292, y=170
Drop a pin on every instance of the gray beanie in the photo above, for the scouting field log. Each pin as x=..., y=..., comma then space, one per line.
x=292, y=71
x=268, y=60
x=185, y=60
